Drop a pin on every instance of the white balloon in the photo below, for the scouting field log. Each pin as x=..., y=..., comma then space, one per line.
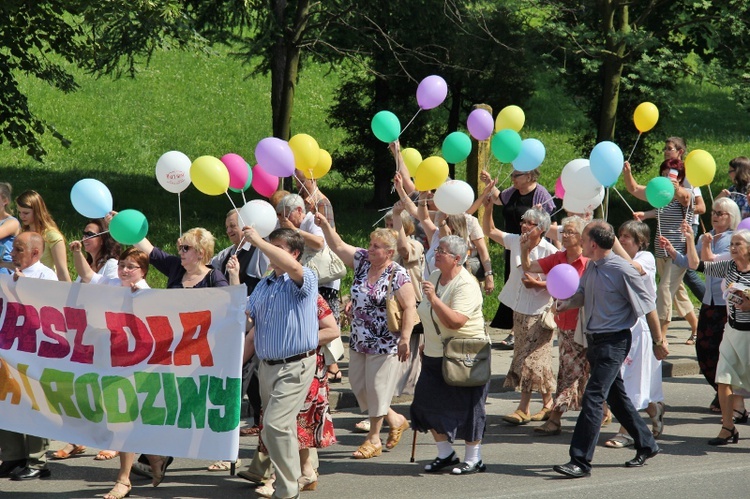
x=454, y=197
x=260, y=215
x=173, y=171
x=578, y=180
x=573, y=204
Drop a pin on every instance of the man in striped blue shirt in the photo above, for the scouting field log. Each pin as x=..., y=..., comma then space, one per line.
x=283, y=312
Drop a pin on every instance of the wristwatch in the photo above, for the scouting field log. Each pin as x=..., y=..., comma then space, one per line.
x=659, y=343
x=488, y=272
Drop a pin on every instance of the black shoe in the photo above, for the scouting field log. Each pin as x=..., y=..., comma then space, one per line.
x=439, y=463
x=27, y=473
x=468, y=469
x=740, y=417
x=641, y=458
x=571, y=470
x=508, y=343
x=8, y=466
x=733, y=438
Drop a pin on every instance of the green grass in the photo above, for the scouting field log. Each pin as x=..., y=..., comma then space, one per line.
x=201, y=104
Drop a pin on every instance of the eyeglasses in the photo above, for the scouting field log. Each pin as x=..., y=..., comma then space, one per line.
x=719, y=213
x=569, y=233
x=526, y=222
x=669, y=149
x=441, y=251
x=89, y=234
x=516, y=175
x=125, y=266
x=184, y=248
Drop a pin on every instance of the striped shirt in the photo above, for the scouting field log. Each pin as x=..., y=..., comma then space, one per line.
x=285, y=315
x=728, y=270
x=670, y=219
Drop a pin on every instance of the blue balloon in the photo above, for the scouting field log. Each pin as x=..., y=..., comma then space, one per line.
x=531, y=155
x=91, y=198
x=606, y=162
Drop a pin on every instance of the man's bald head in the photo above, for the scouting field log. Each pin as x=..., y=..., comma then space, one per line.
x=27, y=249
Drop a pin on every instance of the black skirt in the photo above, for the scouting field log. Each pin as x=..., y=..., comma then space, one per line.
x=458, y=412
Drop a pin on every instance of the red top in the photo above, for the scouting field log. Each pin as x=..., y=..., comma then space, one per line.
x=565, y=320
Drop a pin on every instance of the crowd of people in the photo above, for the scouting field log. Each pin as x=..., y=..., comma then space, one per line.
x=417, y=286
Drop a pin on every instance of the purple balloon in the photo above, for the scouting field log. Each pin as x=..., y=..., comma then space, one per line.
x=275, y=156
x=431, y=92
x=744, y=224
x=562, y=281
x=480, y=124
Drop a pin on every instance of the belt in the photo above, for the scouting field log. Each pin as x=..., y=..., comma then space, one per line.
x=597, y=337
x=293, y=358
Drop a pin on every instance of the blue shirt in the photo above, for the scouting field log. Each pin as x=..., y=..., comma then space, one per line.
x=6, y=246
x=285, y=315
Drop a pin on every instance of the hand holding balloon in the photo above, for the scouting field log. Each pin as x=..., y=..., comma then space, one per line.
x=75, y=246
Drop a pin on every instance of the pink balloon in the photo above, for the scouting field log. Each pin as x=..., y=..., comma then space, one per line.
x=264, y=183
x=480, y=124
x=744, y=224
x=563, y=281
x=431, y=92
x=275, y=156
x=237, y=168
x=559, y=189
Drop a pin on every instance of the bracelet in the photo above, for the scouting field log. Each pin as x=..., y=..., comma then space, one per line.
x=488, y=272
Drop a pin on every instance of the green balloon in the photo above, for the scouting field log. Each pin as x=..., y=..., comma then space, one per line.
x=506, y=145
x=128, y=227
x=386, y=126
x=659, y=192
x=247, y=183
x=456, y=147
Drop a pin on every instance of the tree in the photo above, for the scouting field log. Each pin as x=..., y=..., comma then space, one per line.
x=613, y=54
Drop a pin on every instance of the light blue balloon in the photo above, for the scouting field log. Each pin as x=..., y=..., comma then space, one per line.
x=606, y=162
x=531, y=155
x=91, y=198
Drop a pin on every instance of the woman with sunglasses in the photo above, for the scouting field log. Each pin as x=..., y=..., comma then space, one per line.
x=739, y=174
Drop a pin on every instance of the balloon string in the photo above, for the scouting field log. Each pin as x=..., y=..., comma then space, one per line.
x=555, y=213
x=179, y=211
x=239, y=217
x=380, y=219
x=410, y=121
x=94, y=235
x=244, y=201
x=658, y=220
x=606, y=204
x=633, y=149
x=710, y=193
x=623, y=199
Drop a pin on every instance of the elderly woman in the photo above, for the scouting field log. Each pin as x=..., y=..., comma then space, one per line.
x=680, y=209
x=725, y=216
x=526, y=294
x=375, y=352
x=733, y=368
x=452, y=307
x=641, y=370
x=573, y=372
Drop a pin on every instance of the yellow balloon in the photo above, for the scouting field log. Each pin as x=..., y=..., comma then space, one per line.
x=511, y=117
x=431, y=173
x=209, y=175
x=700, y=168
x=645, y=116
x=322, y=167
x=412, y=159
x=306, y=151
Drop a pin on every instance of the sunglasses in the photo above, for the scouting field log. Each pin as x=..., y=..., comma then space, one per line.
x=184, y=248
x=88, y=234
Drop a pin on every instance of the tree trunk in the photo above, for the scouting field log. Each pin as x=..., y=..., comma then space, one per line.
x=615, y=27
x=278, y=67
x=384, y=169
x=453, y=118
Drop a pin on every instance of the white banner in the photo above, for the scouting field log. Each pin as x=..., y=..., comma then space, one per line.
x=158, y=371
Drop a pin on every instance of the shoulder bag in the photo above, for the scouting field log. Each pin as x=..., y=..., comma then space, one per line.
x=325, y=263
x=466, y=361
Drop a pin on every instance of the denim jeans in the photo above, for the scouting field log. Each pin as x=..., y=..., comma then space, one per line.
x=606, y=354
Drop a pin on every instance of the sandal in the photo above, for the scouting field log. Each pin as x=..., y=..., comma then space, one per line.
x=250, y=431
x=367, y=450
x=159, y=470
x=691, y=340
x=508, y=343
x=363, y=426
x=607, y=419
x=517, y=418
x=114, y=494
x=223, y=465
x=335, y=376
x=715, y=406
x=657, y=422
x=740, y=417
x=542, y=415
x=63, y=454
x=106, y=455
x=267, y=489
x=619, y=441
x=548, y=429
x=395, y=434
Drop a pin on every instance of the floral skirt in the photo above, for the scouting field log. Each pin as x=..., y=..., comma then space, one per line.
x=314, y=421
x=531, y=367
x=573, y=373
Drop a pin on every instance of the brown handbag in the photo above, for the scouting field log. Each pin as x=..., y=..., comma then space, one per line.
x=393, y=310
